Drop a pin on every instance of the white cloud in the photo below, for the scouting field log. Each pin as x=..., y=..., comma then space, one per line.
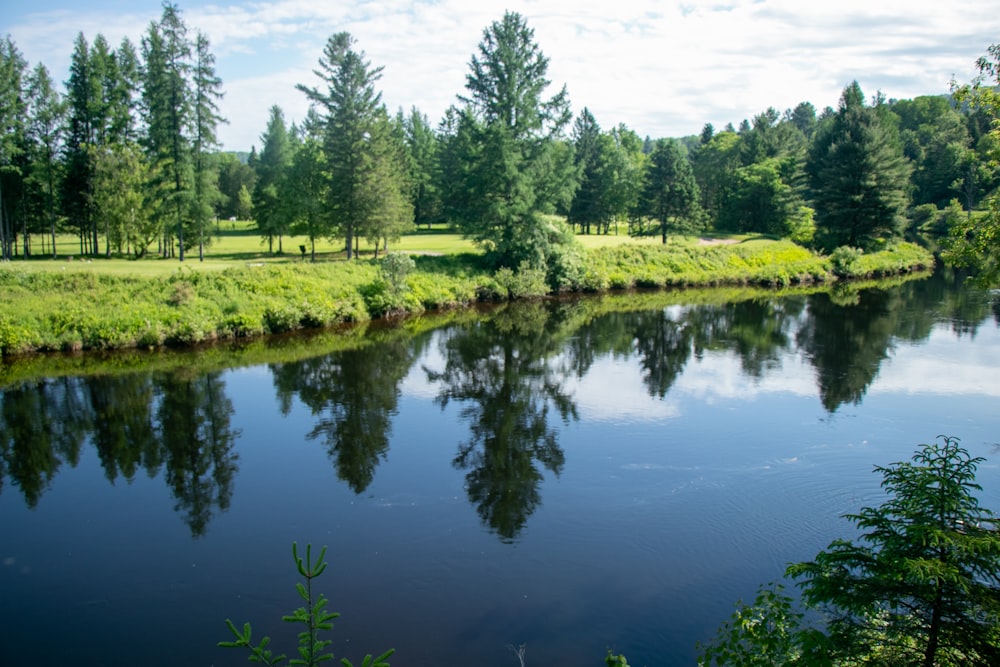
x=663, y=68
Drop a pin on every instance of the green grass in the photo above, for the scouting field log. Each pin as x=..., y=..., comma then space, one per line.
x=241, y=291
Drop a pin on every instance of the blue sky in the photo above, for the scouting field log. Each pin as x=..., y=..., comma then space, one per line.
x=663, y=68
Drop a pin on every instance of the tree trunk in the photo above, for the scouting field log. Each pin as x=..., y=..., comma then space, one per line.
x=934, y=631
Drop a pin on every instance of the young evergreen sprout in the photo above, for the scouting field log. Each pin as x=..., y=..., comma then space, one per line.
x=313, y=616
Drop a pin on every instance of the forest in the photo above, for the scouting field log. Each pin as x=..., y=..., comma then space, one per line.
x=126, y=159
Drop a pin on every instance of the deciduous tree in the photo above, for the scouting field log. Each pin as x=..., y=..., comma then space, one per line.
x=976, y=241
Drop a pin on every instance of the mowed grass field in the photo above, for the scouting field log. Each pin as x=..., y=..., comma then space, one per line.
x=240, y=244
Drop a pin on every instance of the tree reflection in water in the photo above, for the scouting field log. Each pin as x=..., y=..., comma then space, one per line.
x=503, y=371
x=507, y=370
x=354, y=395
x=180, y=422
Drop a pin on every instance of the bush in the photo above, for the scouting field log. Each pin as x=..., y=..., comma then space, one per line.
x=843, y=259
x=394, y=268
x=523, y=283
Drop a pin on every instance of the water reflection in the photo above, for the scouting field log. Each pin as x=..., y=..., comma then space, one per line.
x=507, y=372
x=196, y=443
x=353, y=395
x=179, y=422
x=42, y=426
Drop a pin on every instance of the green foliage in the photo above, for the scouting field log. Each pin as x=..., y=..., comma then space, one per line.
x=858, y=175
x=365, y=184
x=767, y=263
x=505, y=149
x=922, y=583
x=921, y=586
x=395, y=268
x=974, y=241
x=523, y=283
x=85, y=308
x=313, y=616
x=894, y=259
x=801, y=226
x=767, y=633
x=670, y=193
x=843, y=260
x=612, y=660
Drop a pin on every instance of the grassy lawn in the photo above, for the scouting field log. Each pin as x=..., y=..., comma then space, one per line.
x=239, y=244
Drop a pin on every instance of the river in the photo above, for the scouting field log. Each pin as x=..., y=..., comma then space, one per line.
x=572, y=476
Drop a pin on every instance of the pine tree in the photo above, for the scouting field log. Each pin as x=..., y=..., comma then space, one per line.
x=351, y=109
x=46, y=115
x=306, y=187
x=269, y=204
x=922, y=584
x=167, y=105
x=424, y=168
x=588, y=202
x=79, y=135
x=516, y=165
x=13, y=140
x=670, y=193
x=207, y=90
x=389, y=184
x=859, y=177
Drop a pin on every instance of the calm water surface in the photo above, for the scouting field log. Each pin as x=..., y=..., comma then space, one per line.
x=543, y=475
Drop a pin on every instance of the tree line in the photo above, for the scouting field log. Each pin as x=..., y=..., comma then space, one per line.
x=127, y=158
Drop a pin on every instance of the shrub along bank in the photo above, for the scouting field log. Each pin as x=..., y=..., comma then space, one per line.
x=88, y=309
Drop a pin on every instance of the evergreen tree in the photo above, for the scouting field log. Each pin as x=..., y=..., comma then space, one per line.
x=307, y=185
x=588, y=202
x=207, y=90
x=715, y=164
x=120, y=173
x=859, y=177
x=389, y=184
x=45, y=117
x=670, y=193
x=14, y=157
x=124, y=94
x=234, y=175
x=79, y=135
x=922, y=585
x=424, y=170
x=168, y=107
x=516, y=167
x=628, y=166
x=354, y=142
x=269, y=204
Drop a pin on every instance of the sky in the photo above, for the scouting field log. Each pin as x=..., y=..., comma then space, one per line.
x=663, y=68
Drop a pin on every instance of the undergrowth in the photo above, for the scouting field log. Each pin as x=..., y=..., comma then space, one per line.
x=87, y=309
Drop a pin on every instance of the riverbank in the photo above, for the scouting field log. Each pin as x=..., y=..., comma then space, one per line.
x=83, y=308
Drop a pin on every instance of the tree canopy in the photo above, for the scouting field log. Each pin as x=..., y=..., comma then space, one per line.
x=514, y=166
x=920, y=585
x=858, y=175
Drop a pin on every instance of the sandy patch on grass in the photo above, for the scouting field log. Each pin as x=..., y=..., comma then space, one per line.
x=710, y=241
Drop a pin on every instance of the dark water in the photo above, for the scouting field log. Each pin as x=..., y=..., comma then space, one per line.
x=572, y=476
